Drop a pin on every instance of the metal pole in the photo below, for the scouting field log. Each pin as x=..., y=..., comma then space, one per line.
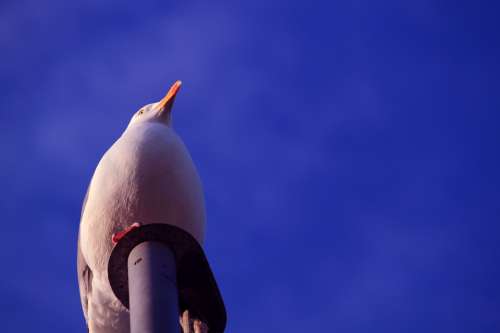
x=152, y=287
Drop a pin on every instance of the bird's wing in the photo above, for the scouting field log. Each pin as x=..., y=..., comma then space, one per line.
x=84, y=281
x=84, y=273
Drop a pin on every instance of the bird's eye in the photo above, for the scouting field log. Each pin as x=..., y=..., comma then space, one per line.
x=141, y=111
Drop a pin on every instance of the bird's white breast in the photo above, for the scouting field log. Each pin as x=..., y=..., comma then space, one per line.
x=147, y=176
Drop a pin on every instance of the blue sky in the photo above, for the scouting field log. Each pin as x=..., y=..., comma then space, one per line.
x=348, y=150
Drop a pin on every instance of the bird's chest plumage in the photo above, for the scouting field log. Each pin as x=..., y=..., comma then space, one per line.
x=147, y=176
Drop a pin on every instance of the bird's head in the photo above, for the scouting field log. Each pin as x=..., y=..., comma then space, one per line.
x=159, y=111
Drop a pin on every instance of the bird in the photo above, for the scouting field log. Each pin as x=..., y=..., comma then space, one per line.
x=146, y=176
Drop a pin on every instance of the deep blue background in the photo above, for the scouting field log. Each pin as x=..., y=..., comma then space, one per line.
x=348, y=150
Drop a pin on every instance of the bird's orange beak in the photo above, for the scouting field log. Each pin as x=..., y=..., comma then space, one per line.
x=166, y=103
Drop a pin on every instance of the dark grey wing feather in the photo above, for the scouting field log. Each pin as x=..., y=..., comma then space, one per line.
x=84, y=280
x=84, y=272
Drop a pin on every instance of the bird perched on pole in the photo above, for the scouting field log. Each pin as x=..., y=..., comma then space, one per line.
x=146, y=176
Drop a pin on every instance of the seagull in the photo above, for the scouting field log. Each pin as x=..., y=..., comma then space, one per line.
x=146, y=176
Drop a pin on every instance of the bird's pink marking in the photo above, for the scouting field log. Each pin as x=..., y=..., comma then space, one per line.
x=115, y=238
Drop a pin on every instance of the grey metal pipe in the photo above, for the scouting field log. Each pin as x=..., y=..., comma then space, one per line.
x=152, y=287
